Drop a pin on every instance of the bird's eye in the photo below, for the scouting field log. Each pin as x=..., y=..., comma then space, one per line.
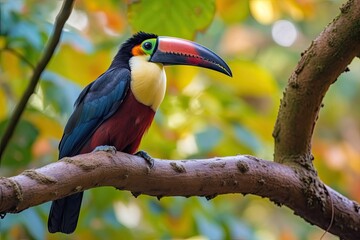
x=147, y=46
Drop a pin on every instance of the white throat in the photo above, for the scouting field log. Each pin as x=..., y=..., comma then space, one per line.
x=148, y=81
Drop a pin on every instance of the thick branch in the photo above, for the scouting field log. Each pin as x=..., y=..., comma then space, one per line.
x=208, y=177
x=319, y=67
x=48, y=52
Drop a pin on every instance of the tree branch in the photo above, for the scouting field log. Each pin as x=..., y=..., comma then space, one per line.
x=207, y=177
x=49, y=51
x=320, y=65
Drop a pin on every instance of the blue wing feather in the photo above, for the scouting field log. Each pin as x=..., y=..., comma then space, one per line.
x=96, y=103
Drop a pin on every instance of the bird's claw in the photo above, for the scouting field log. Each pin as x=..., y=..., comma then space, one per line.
x=146, y=157
x=106, y=148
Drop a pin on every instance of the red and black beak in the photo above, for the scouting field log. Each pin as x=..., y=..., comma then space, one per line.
x=176, y=51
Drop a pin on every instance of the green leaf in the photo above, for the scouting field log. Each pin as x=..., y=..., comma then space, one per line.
x=27, y=33
x=32, y=221
x=208, y=139
x=208, y=227
x=18, y=152
x=155, y=207
x=233, y=11
x=3, y=102
x=247, y=138
x=237, y=228
x=171, y=18
x=8, y=10
x=59, y=92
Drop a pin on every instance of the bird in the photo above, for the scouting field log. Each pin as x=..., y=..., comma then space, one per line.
x=118, y=107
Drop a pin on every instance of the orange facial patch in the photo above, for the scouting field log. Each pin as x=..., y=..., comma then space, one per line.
x=137, y=51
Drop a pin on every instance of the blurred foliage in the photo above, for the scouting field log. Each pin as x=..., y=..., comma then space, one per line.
x=148, y=16
x=204, y=113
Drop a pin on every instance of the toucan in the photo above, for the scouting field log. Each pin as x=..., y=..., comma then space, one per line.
x=118, y=107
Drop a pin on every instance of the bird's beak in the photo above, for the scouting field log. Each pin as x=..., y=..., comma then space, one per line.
x=176, y=51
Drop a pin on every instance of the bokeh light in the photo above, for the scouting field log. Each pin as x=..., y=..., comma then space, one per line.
x=284, y=33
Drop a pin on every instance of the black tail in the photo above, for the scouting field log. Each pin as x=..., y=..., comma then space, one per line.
x=64, y=214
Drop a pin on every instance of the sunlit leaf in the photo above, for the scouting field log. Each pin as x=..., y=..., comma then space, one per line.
x=3, y=104
x=2, y=42
x=179, y=77
x=299, y=9
x=46, y=125
x=232, y=11
x=265, y=11
x=249, y=79
x=178, y=220
x=80, y=67
x=171, y=18
x=11, y=63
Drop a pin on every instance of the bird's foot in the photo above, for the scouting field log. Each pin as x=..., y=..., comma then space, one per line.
x=146, y=157
x=106, y=148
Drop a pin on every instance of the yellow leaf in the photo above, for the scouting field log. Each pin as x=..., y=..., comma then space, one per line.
x=3, y=108
x=179, y=77
x=299, y=10
x=47, y=126
x=179, y=225
x=262, y=126
x=2, y=42
x=265, y=11
x=249, y=79
x=78, y=66
x=99, y=5
x=232, y=11
x=10, y=64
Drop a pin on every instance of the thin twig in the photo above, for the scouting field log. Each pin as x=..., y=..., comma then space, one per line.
x=48, y=53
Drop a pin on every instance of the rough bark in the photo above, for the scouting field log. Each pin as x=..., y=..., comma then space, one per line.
x=320, y=65
x=208, y=177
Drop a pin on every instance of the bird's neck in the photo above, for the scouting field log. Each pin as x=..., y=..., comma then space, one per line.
x=148, y=81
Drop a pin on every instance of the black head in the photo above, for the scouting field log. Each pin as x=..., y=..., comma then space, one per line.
x=124, y=54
